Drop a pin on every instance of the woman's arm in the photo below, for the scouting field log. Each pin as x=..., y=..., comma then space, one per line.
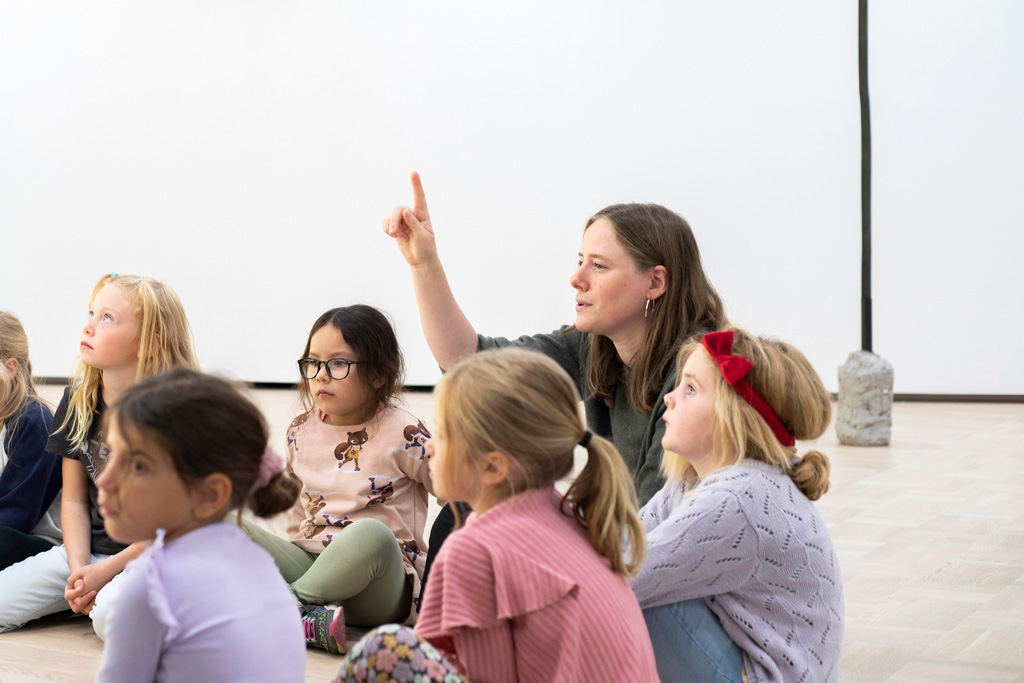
x=449, y=333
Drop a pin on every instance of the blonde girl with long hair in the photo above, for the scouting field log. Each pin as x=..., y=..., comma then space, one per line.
x=29, y=476
x=136, y=328
x=534, y=586
x=741, y=580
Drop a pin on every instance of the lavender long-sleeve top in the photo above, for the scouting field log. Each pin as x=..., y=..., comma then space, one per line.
x=747, y=541
x=208, y=606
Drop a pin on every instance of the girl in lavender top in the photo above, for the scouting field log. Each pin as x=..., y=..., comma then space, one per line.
x=741, y=582
x=202, y=603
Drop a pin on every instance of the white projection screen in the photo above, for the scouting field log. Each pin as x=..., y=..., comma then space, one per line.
x=245, y=153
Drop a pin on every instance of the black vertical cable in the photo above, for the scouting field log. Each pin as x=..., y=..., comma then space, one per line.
x=865, y=180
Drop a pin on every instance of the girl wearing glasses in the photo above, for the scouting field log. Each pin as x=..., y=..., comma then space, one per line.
x=355, y=548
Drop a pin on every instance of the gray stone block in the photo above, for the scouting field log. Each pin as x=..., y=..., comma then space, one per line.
x=865, y=400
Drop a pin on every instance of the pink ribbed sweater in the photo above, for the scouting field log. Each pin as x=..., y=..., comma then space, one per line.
x=519, y=594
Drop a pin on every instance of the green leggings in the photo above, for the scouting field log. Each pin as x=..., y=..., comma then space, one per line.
x=362, y=570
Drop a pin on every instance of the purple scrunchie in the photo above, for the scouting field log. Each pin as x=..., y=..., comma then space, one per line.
x=271, y=463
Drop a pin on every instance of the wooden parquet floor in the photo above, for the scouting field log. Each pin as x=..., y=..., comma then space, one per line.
x=929, y=532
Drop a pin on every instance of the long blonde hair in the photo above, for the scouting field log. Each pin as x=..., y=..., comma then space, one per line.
x=14, y=390
x=523, y=405
x=165, y=342
x=653, y=235
x=787, y=382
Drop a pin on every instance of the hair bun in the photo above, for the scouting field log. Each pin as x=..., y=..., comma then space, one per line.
x=278, y=495
x=811, y=474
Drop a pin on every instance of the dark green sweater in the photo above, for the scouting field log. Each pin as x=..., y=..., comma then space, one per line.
x=636, y=435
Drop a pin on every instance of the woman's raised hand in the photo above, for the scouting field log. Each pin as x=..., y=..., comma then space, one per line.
x=411, y=228
x=448, y=333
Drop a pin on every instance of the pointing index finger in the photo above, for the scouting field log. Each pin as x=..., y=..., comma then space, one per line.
x=419, y=205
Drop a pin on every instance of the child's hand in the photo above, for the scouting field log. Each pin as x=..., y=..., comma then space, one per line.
x=80, y=600
x=85, y=583
x=411, y=228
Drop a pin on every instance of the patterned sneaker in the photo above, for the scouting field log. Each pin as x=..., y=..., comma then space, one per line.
x=324, y=628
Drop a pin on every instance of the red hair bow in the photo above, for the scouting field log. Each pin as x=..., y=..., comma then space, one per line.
x=734, y=371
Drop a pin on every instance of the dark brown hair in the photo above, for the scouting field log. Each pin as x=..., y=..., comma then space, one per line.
x=207, y=426
x=371, y=336
x=654, y=236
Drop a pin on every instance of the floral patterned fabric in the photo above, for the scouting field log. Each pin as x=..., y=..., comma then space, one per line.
x=395, y=653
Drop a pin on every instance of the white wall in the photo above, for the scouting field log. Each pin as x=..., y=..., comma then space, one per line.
x=245, y=152
x=948, y=107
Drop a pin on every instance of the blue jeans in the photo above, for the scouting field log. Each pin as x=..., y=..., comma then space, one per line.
x=690, y=644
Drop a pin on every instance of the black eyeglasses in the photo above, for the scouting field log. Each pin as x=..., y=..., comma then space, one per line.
x=337, y=368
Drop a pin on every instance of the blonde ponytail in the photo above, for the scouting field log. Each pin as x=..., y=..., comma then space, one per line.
x=524, y=405
x=603, y=499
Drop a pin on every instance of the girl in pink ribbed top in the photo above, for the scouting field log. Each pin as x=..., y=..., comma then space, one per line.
x=533, y=588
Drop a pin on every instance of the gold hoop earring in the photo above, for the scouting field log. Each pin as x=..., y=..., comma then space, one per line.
x=647, y=308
